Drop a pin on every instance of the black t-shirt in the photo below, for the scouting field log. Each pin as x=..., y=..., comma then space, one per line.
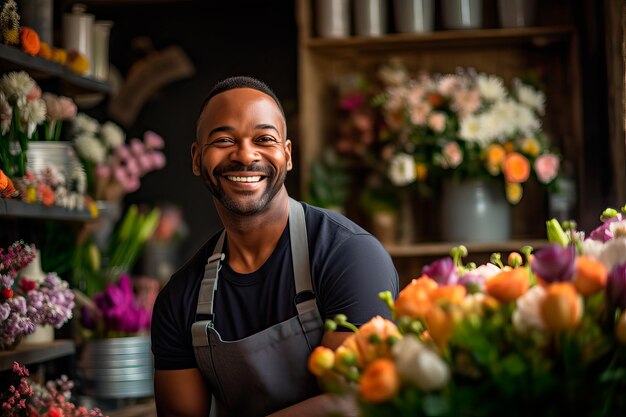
x=349, y=267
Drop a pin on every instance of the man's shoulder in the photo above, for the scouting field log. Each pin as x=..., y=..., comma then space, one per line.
x=197, y=262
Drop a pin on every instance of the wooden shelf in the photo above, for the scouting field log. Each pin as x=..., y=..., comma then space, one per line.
x=13, y=59
x=20, y=209
x=535, y=36
x=27, y=354
x=443, y=248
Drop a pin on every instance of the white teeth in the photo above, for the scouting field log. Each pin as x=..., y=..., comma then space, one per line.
x=256, y=178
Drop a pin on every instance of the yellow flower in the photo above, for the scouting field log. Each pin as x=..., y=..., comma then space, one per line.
x=495, y=157
x=321, y=360
x=31, y=194
x=514, y=192
x=421, y=171
x=531, y=146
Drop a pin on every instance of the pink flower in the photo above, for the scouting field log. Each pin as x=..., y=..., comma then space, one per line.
x=437, y=121
x=67, y=108
x=466, y=102
x=158, y=160
x=137, y=147
x=352, y=101
x=419, y=113
x=145, y=163
x=132, y=167
x=152, y=140
x=122, y=152
x=103, y=171
x=547, y=167
x=452, y=155
x=34, y=93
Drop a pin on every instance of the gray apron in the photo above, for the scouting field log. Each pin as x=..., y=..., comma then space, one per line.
x=266, y=371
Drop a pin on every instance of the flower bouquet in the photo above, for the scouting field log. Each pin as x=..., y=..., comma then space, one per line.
x=27, y=302
x=462, y=125
x=27, y=398
x=544, y=334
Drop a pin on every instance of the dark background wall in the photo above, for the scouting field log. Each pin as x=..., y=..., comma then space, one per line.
x=221, y=38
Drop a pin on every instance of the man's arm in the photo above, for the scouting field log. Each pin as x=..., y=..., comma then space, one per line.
x=181, y=393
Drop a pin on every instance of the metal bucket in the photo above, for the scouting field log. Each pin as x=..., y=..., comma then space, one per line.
x=117, y=368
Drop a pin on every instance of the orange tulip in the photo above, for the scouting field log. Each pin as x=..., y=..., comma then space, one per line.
x=451, y=293
x=29, y=40
x=508, y=285
x=495, y=156
x=620, y=328
x=516, y=168
x=380, y=328
x=589, y=275
x=440, y=324
x=414, y=300
x=321, y=360
x=562, y=308
x=380, y=382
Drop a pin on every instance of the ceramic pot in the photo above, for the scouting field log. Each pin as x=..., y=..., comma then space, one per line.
x=414, y=16
x=517, y=13
x=462, y=14
x=475, y=210
x=332, y=18
x=370, y=17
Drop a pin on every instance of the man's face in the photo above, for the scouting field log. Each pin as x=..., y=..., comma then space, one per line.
x=241, y=151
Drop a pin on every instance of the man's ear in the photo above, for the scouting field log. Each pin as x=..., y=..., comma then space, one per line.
x=195, y=158
x=288, y=155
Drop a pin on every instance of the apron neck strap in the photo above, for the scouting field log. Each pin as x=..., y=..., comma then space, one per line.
x=300, y=263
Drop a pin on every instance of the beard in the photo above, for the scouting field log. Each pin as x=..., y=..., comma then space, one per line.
x=249, y=207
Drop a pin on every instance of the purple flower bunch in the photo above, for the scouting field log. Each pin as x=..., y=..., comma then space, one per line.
x=27, y=398
x=24, y=304
x=119, y=310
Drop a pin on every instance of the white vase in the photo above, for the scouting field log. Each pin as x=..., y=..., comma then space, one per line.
x=414, y=16
x=33, y=270
x=462, y=14
x=42, y=334
x=475, y=211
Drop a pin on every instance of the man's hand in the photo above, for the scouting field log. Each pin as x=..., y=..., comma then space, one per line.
x=181, y=393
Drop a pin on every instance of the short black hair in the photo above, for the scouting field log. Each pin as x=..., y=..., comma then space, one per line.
x=241, y=81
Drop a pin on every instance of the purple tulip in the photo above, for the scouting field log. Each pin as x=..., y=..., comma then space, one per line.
x=554, y=263
x=443, y=271
x=602, y=232
x=616, y=286
x=120, y=308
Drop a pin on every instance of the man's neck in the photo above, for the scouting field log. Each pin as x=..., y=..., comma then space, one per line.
x=252, y=239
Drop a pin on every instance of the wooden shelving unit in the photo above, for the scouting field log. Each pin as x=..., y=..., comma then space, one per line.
x=28, y=354
x=19, y=209
x=443, y=248
x=13, y=59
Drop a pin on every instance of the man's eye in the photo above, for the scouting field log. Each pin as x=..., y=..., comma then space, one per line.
x=265, y=139
x=221, y=141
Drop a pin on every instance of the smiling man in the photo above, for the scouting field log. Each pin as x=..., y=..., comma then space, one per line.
x=233, y=328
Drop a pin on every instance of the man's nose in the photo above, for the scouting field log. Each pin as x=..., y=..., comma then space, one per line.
x=246, y=153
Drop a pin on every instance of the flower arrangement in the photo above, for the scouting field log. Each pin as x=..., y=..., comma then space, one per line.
x=26, y=398
x=58, y=110
x=424, y=128
x=21, y=111
x=113, y=167
x=113, y=304
x=544, y=334
x=25, y=301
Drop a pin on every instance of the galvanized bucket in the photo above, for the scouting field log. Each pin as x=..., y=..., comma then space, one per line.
x=117, y=368
x=58, y=154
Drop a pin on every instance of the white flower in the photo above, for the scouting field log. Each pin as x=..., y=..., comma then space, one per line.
x=402, y=169
x=610, y=253
x=17, y=85
x=6, y=114
x=473, y=129
x=506, y=112
x=527, y=315
x=112, y=135
x=487, y=270
x=85, y=124
x=32, y=113
x=90, y=148
x=532, y=98
x=525, y=120
x=393, y=74
x=418, y=365
x=491, y=87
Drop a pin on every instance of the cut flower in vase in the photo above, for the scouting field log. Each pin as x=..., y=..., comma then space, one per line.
x=461, y=125
x=540, y=333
